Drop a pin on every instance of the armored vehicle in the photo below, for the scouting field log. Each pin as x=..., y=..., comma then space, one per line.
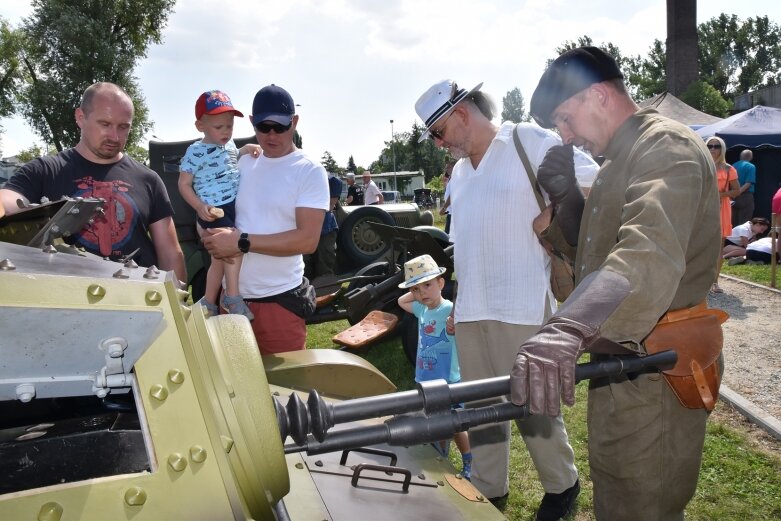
x=119, y=400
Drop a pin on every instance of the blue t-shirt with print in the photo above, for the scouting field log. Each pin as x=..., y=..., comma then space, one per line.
x=215, y=171
x=437, y=356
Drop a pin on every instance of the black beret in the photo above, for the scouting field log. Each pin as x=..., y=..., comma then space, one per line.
x=569, y=74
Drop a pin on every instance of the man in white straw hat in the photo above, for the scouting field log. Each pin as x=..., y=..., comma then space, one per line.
x=504, y=293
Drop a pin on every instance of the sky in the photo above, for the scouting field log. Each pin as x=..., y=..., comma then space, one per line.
x=352, y=66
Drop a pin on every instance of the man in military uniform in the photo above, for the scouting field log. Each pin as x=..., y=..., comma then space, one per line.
x=648, y=243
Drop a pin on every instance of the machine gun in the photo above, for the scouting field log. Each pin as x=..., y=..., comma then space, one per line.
x=432, y=417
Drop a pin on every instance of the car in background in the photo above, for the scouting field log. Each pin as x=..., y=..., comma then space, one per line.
x=391, y=196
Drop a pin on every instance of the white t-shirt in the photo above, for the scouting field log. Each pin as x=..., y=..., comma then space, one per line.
x=503, y=272
x=741, y=230
x=270, y=190
x=371, y=194
x=764, y=244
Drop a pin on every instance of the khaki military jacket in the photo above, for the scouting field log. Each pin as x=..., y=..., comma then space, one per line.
x=652, y=215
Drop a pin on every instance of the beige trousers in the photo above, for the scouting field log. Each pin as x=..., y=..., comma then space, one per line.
x=487, y=349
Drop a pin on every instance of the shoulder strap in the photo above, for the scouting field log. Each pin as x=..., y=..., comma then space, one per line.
x=528, y=167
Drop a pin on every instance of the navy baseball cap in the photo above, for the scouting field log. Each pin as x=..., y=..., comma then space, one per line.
x=569, y=74
x=273, y=103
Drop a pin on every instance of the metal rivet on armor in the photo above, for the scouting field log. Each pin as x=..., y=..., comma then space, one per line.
x=299, y=466
x=441, y=483
x=114, y=346
x=459, y=476
x=153, y=297
x=121, y=274
x=135, y=496
x=158, y=392
x=319, y=463
x=176, y=376
x=177, y=462
x=25, y=392
x=422, y=476
x=198, y=454
x=151, y=273
x=130, y=263
x=50, y=512
x=480, y=498
x=7, y=265
x=49, y=248
x=95, y=290
x=227, y=443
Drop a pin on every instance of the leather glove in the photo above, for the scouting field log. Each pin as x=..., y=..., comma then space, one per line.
x=556, y=173
x=544, y=371
x=556, y=176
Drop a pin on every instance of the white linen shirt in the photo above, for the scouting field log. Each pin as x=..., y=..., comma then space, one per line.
x=502, y=270
x=270, y=190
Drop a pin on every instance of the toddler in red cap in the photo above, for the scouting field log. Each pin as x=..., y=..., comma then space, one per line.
x=209, y=181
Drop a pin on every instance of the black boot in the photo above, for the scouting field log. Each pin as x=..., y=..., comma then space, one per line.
x=558, y=506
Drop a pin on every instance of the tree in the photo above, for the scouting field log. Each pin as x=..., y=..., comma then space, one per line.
x=514, y=107
x=647, y=77
x=10, y=76
x=411, y=155
x=329, y=163
x=138, y=153
x=28, y=154
x=351, y=164
x=69, y=44
x=736, y=56
x=704, y=97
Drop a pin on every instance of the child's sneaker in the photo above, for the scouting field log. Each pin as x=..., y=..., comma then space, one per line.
x=236, y=305
x=211, y=308
x=466, y=472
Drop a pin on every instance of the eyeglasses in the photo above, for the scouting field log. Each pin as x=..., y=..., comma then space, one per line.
x=714, y=146
x=439, y=134
x=278, y=128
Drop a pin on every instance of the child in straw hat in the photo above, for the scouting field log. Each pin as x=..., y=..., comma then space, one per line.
x=437, y=356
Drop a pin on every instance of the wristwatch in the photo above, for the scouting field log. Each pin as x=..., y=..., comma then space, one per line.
x=244, y=243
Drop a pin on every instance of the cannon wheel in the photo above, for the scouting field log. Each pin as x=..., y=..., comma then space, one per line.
x=358, y=241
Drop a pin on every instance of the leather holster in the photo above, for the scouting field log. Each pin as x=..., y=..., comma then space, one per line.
x=695, y=334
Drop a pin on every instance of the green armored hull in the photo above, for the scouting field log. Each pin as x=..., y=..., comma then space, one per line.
x=118, y=400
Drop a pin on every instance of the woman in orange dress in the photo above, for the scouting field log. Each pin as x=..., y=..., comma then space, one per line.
x=727, y=181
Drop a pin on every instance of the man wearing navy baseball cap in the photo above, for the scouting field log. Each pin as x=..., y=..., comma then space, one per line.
x=647, y=248
x=282, y=200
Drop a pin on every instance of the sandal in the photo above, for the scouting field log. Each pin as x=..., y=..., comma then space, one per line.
x=237, y=306
x=211, y=308
x=716, y=289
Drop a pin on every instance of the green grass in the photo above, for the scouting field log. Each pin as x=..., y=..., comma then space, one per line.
x=739, y=480
x=759, y=274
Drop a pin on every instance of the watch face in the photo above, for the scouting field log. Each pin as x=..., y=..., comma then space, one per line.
x=244, y=243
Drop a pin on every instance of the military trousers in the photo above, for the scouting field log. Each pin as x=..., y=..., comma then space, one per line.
x=645, y=449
